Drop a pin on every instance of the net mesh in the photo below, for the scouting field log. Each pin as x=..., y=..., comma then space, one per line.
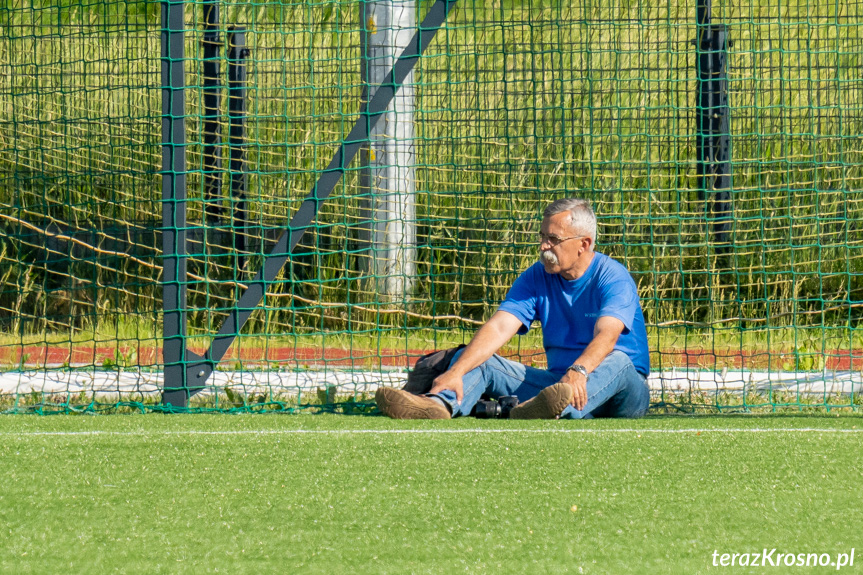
x=515, y=104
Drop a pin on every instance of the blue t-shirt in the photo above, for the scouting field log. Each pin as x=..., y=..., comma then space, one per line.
x=568, y=310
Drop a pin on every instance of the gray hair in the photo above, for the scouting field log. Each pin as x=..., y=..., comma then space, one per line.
x=583, y=220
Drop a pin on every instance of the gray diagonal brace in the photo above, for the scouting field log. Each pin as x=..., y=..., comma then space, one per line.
x=199, y=368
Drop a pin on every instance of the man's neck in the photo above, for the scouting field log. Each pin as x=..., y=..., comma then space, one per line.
x=580, y=267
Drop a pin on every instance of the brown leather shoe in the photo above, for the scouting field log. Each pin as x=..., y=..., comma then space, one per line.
x=548, y=404
x=400, y=404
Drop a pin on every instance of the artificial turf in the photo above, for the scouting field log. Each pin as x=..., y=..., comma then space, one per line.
x=364, y=494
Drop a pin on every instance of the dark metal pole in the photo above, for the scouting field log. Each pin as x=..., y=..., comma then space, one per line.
x=175, y=391
x=713, y=142
x=237, y=92
x=703, y=13
x=212, y=115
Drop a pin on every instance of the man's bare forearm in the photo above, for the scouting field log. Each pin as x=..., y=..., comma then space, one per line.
x=605, y=337
x=497, y=331
x=596, y=351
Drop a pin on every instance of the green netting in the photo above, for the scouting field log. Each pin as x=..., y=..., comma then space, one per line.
x=516, y=104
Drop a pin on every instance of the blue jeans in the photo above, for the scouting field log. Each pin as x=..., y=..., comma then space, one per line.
x=614, y=388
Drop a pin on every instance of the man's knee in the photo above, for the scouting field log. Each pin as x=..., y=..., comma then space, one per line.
x=455, y=357
x=631, y=399
x=459, y=353
x=613, y=365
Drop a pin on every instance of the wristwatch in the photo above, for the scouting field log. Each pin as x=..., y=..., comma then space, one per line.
x=579, y=368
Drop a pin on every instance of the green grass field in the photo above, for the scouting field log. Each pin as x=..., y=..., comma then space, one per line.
x=338, y=494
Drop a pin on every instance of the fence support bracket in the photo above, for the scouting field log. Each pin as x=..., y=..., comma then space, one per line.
x=189, y=375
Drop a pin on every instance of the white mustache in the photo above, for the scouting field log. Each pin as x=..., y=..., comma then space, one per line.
x=548, y=257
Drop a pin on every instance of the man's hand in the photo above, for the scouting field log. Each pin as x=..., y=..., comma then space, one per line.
x=579, y=387
x=448, y=380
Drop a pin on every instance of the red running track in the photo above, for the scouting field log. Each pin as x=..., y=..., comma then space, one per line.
x=35, y=356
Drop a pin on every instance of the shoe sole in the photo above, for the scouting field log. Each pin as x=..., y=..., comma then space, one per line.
x=399, y=404
x=548, y=404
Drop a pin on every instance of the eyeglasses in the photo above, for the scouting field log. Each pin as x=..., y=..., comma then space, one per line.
x=553, y=240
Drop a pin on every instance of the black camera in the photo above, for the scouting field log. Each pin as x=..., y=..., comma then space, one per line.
x=491, y=409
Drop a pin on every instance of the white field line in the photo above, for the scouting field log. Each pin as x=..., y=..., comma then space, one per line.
x=139, y=383
x=426, y=432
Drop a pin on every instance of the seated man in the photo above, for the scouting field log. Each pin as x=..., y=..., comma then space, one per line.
x=593, y=333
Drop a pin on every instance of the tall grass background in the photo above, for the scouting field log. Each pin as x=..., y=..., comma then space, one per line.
x=518, y=103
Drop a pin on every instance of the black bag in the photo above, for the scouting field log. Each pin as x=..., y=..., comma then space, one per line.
x=427, y=368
